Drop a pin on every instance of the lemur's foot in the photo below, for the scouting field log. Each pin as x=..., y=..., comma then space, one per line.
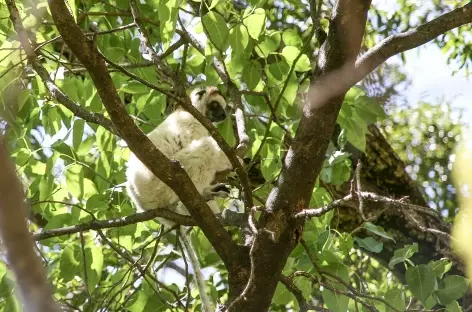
x=217, y=190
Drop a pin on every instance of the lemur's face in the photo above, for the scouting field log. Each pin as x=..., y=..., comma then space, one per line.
x=210, y=103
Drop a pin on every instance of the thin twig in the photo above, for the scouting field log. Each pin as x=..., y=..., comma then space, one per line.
x=304, y=306
x=89, y=34
x=146, y=42
x=124, y=254
x=226, y=219
x=84, y=260
x=316, y=212
x=359, y=189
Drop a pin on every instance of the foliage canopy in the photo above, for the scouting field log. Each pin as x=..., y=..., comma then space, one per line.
x=359, y=245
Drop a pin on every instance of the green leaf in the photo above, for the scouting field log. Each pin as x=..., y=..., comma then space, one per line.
x=402, y=254
x=421, y=281
x=168, y=11
x=69, y=263
x=430, y=302
x=94, y=264
x=370, y=105
x=337, y=168
x=96, y=202
x=455, y=286
x=290, y=92
x=271, y=163
x=270, y=44
x=217, y=29
x=396, y=298
x=346, y=243
x=75, y=180
x=355, y=128
x=23, y=97
x=453, y=307
x=12, y=304
x=3, y=270
x=238, y=39
x=338, y=269
x=89, y=188
x=137, y=302
x=282, y=296
x=370, y=244
x=291, y=53
x=78, y=132
x=305, y=286
x=440, y=267
x=335, y=302
x=134, y=87
x=378, y=230
x=277, y=72
x=320, y=197
x=291, y=38
x=46, y=186
x=226, y=130
x=106, y=141
x=252, y=75
x=255, y=23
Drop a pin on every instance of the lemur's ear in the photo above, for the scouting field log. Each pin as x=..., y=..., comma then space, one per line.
x=201, y=93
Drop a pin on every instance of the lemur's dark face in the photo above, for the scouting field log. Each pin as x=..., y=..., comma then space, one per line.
x=214, y=105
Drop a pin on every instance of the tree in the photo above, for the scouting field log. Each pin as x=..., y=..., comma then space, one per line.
x=327, y=210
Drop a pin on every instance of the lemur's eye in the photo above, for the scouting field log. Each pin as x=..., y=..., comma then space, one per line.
x=214, y=105
x=201, y=93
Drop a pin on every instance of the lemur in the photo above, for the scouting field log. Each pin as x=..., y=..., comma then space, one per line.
x=182, y=137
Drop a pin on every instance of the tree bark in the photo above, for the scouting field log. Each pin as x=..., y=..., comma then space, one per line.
x=279, y=234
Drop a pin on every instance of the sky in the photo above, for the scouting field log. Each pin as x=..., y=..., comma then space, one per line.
x=431, y=77
x=432, y=80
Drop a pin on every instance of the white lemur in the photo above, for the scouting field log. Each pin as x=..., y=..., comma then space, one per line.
x=180, y=136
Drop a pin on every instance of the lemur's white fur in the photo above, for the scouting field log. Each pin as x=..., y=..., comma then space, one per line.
x=180, y=136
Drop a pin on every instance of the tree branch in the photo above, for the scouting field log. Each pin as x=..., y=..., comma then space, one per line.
x=413, y=38
x=30, y=274
x=169, y=172
x=90, y=34
x=304, y=306
x=227, y=218
x=304, y=159
x=340, y=80
x=316, y=212
x=147, y=43
x=117, y=222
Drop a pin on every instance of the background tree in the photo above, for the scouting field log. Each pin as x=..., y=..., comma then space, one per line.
x=331, y=220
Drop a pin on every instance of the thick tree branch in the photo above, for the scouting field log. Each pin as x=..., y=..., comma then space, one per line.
x=55, y=91
x=30, y=274
x=413, y=38
x=340, y=80
x=304, y=159
x=170, y=172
